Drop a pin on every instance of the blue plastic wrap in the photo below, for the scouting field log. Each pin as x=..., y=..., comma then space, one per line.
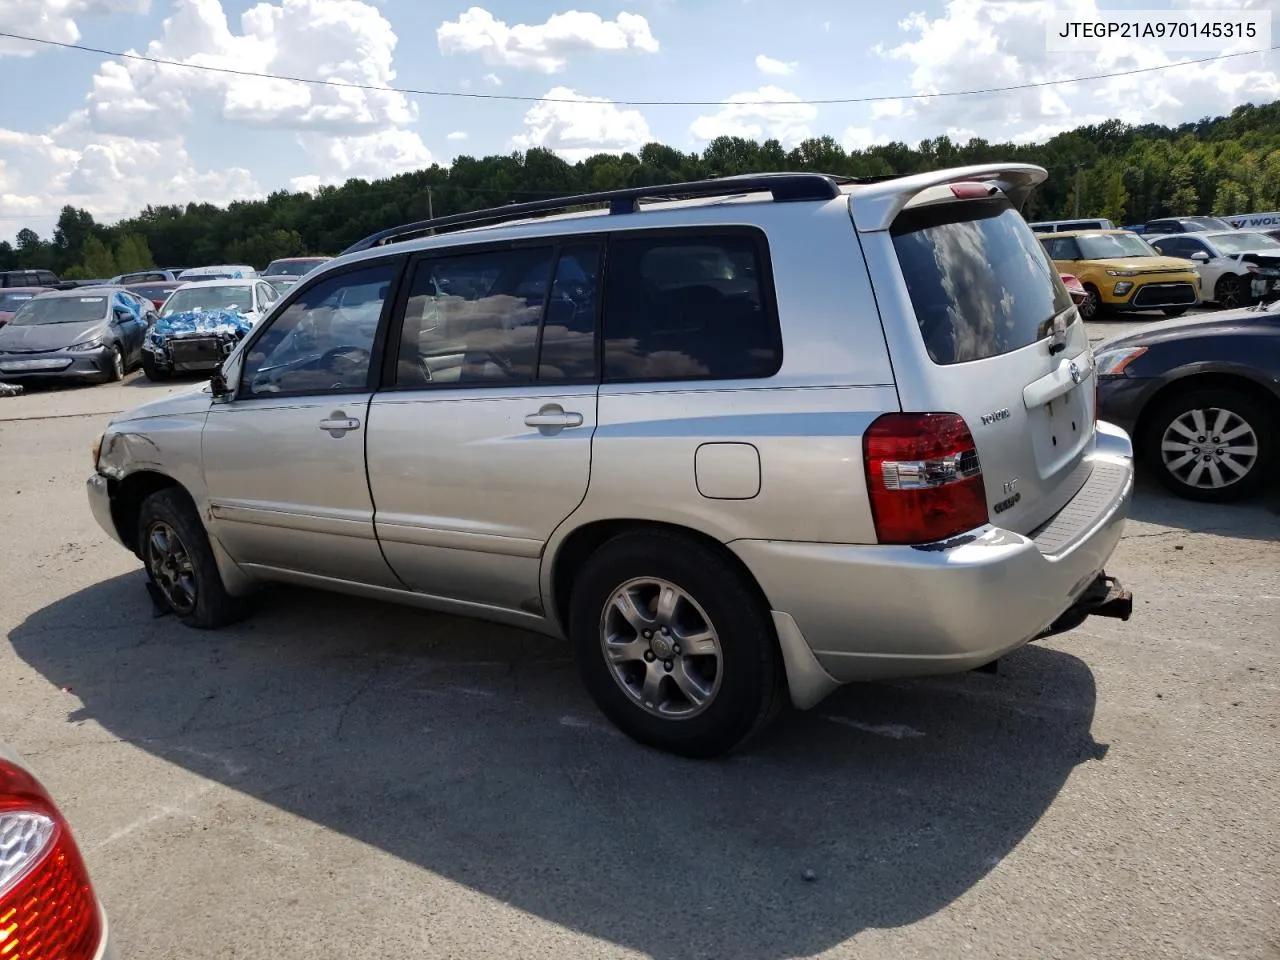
x=202, y=323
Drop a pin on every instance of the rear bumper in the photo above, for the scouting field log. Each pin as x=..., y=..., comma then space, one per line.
x=872, y=612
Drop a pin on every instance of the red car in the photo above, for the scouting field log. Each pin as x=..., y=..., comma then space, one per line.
x=157, y=291
x=1075, y=288
x=48, y=909
x=11, y=298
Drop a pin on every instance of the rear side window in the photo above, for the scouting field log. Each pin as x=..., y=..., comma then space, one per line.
x=1062, y=248
x=693, y=305
x=979, y=282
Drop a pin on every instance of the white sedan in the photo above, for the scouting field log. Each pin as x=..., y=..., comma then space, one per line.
x=1236, y=267
x=201, y=322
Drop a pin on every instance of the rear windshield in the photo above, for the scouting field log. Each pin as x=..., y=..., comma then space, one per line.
x=291, y=268
x=10, y=302
x=978, y=279
x=1107, y=246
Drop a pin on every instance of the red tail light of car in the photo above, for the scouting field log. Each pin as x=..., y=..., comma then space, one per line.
x=48, y=910
x=923, y=477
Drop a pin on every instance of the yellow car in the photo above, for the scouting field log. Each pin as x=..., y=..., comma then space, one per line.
x=1121, y=271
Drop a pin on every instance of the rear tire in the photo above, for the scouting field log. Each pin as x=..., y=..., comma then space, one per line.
x=660, y=694
x=1176, y=448
x=1174, y=311
x=151, y=371
x=175, y=550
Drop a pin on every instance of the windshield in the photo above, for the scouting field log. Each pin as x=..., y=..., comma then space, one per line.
x=43, y=310
x=1108, y=245
x=291, y=268
x=1205, y=223
x=10, y=302
x=1238, y=241
x=156, y=292
x=209, y=298
x=979, y=282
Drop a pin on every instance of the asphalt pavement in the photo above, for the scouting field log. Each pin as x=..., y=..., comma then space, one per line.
x=342, y=778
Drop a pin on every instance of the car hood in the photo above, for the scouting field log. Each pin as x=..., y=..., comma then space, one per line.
x=1223, y=322
x=193, y=400
x=49, y=336
x=1145, y=264
x=202, y=323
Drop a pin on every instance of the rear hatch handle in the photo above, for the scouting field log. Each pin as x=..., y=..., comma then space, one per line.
x=1065, y=377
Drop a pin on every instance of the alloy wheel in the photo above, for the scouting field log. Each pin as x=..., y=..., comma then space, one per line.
x=1089, y=305
x=661, y=648
x=170, y=567
x=117, y=363
x=1209, y=448
x=1230, y=293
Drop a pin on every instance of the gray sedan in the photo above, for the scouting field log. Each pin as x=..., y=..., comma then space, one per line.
x=87, y=334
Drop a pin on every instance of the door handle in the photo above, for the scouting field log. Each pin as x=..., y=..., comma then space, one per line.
x=336, y=424
x=553, y=416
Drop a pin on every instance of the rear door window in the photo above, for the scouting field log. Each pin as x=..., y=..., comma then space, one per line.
x=979, y=282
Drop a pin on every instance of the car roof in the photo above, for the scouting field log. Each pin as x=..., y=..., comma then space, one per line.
x=1091, y=232
x=243, y=282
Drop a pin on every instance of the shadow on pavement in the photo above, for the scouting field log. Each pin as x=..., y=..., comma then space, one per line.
x=470, y=750
x=1256, y=518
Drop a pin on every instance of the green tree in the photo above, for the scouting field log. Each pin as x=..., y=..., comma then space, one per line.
x=1230, y=198
x=74, y=227
x=132, y=253
x=1117, y=198
x=34, y=253
x=97, y=260
x=1183, y=199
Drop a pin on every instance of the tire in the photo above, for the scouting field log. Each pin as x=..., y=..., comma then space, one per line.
x=1183, y=478
x=740, y=679
x=152, y=372
x=193, y=576
x=1174, y=311
x=1091, y=307
x=115, y=364
x=1231, y=292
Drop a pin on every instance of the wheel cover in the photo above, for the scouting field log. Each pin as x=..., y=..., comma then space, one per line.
x=117, y=361
x=661, y=648
x=170, y=567
x=1089, y=306
x=1229, y=292
x=1209, y=448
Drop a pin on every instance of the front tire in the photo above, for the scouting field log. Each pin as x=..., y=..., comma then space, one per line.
x=115, y=364
x=1091, y=306
x=1172, y=312
x=175, y=549
x=1231, y=292
x=1213, y=445
x=673, y=646
x=151, y=371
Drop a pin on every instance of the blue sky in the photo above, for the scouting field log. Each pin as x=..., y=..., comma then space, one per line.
x=113, y=135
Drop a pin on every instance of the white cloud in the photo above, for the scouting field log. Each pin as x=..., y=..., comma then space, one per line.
x=588, y=125
x=54, y=20
x=457, y=135
x=977, y=44
x=859, y=138
x=493, y=79
x=775, y=68
x=767, y=113
x=381, y=154
x=348, y=41
x=544, y=47
x=108, y=175
x=886, y=109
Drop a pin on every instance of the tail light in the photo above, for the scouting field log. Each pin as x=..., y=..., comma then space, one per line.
x=48, y=910
x=923, y=476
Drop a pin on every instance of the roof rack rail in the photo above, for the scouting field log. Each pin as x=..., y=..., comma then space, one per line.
x=785, y=187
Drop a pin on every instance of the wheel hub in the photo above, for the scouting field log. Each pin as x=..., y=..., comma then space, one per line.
x=1209, y=448
x=661, y=648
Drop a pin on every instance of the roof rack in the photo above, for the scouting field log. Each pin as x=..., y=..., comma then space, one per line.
x=785, y=187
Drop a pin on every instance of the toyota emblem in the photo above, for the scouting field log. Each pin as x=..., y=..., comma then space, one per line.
x=1076, y=377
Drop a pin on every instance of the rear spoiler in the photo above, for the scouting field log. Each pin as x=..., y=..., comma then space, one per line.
x=875, y=206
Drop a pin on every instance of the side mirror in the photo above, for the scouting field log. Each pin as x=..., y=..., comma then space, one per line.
x=1200, y=257
x=218, y=384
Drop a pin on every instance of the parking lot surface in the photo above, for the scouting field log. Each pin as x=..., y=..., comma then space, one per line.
x=342, y=778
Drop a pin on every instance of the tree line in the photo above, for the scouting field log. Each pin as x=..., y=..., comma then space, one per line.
x=1127, y=173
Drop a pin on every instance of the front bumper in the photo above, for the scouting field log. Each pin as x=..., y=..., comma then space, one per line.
x=100, y=505
x=1155, y=295
x=873, y=612
x=190, y=354
x=1121, y=399
x=56, y=365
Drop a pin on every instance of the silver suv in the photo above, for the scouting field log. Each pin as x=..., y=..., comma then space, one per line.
x=735, y=440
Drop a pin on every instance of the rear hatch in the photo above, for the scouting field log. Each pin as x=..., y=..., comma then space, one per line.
x=979, y=324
